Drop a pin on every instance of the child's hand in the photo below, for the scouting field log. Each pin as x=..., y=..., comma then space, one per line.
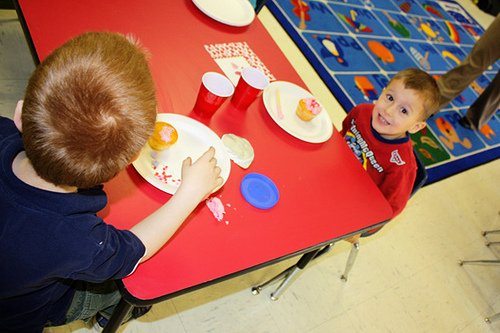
x=201, y=177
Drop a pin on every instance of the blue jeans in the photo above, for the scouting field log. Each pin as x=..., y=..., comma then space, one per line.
x=91, y=298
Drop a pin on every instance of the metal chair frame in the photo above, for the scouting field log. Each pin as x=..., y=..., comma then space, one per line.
x=488, y=243
x=494, y=262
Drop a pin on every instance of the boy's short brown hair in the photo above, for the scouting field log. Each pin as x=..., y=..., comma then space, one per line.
x=89, y=108
x=420, y=81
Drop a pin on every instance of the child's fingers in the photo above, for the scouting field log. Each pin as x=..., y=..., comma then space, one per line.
x=187, y=162
x=208, y=155
x=219, y=181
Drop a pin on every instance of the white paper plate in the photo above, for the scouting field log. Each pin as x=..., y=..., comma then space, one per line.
x=194, y=139
x=237, y=13
x=317, y=130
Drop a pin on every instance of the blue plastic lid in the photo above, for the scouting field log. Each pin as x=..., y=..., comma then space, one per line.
x=259, y=191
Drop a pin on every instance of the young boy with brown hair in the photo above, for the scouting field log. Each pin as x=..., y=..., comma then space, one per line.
x=88, y=110
x=379, y=134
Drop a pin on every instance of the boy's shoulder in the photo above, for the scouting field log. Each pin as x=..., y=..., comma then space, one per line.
x=361, y=114
x=7, y=127
x=362, y=109
x=365, y=105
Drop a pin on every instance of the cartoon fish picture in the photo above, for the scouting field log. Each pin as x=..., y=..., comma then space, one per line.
x=381, y=52
x=301, y=9
x=431, y=34
x=452, y=32
x=423, y=60
x=397, y=26
x=425, y=153
x=332, y=48
x=432, y=10
x=450, y=136
x=352, y=21
x=428, y=141
x=426, y=29
x=487, y=131
x=366, y=87
x=472, y=31
x=405, y=7
x=448, y=55
x=476, y=87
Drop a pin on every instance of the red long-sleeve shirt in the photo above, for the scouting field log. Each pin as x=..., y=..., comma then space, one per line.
x=390, y=163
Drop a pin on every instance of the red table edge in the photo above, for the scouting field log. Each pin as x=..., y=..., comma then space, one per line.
x=129, y=298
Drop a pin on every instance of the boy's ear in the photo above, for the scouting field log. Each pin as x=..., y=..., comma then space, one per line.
x=136, y=156
x=417, y=127
x=17, y=115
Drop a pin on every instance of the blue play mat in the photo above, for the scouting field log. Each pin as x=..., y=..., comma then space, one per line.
x=356, y=46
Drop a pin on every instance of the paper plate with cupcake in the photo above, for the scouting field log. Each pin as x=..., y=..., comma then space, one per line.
x=296, y=111
x=175, y=138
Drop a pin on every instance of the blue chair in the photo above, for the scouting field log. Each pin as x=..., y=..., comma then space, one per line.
x=258, y=4
x=6, y=4
x=291, y=273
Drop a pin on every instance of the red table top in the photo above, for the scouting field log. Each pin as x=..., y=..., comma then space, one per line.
x=324, y=192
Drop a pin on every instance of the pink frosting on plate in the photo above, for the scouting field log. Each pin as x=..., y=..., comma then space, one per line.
x=216, y=207
x=166, y=133
x=312, y=105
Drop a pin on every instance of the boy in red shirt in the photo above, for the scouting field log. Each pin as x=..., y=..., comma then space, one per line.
x=379, y=134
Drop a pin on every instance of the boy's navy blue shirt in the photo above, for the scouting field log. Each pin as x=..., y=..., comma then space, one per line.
x=47, y=241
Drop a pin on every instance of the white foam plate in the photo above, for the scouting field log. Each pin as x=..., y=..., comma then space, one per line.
x=237, y=13
x=318, y=130
x=194, y=139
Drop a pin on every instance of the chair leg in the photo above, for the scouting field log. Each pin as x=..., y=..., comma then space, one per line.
x=491, y=243
x=291, y=276
x=492, y=318
x=491, y=232
x=479, y=262
x=291, y=273
x=284, y=274
x=119, y=314
x=324, y=250
x=350, y=260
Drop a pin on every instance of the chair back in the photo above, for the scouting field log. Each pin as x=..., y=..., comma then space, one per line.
x=421, y=176
x=258, y=4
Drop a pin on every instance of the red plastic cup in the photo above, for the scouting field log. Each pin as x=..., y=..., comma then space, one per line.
x=214, y=90
x=249, y=87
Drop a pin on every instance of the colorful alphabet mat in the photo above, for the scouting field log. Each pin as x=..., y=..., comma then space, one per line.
x=356, y=46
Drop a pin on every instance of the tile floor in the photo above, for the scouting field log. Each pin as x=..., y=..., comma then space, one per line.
x=406, y=278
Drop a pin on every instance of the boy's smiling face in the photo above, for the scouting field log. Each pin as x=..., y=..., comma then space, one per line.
x=397, y=111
